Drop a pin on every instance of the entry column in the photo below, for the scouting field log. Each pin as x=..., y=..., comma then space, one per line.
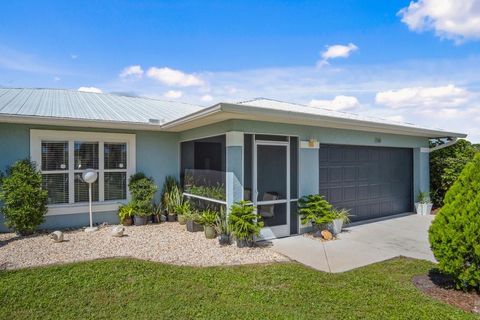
x=234, y=166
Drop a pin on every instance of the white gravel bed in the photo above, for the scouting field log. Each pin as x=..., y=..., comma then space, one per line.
x=166, y=243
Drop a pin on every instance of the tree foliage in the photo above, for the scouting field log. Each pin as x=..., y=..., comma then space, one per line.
x=244, y=223
x=24, y=200
x=445, y=167
x=455, y=233
x=143, y=191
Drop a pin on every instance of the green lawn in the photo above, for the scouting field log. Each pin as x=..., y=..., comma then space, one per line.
x=133, y=289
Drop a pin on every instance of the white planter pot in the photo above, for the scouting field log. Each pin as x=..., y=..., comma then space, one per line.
x=337, y=226
x=423, y=209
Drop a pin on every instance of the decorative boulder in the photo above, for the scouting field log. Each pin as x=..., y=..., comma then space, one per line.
x=327, y=235
x=117, y=231
x=56, y=236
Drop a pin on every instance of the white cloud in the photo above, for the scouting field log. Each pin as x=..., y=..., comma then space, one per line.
x=90, y=89
x=173, y=77
x=337, y=51
x=339, y=103
x=173, y=94
x=206, y=98
x=73, y=56
x=423, y=97
x=135, y=71
x=458, y=20
x=56, y=78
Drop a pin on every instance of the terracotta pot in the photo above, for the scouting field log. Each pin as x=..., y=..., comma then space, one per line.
x=192, y=226
x=210, y=232
x=127, y=221
x=181, y=219
x=140, y=220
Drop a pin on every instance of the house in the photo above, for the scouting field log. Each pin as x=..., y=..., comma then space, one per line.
x=266, y=151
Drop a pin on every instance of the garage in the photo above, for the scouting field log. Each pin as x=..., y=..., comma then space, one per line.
x=372, y=182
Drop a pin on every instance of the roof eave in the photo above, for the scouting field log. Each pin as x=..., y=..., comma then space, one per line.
x=235, y=111
x=75, y=122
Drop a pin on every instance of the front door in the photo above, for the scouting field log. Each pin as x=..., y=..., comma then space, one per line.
x=271, y=187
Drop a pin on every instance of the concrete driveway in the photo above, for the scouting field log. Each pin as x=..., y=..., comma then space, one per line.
x=362, y=245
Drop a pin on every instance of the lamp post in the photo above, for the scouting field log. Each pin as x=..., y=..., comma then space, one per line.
x=90, y=176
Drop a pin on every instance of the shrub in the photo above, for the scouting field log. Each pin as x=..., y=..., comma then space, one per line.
x=455, y=233
x=143, y=191
x=243, y=222
x=174, y=200
x=208, y=218
x=316, y=210
x=445, y=167
x=169, y=184
x=126, y=211
x=24, y=200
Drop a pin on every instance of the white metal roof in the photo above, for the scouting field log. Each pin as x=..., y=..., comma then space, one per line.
x=294, y=107
x=74, y=108
x=70, y=104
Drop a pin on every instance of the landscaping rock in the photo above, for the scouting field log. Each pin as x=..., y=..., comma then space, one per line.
x=117, y=231
x=56, y=236
x=327, y=235
x=166, y=243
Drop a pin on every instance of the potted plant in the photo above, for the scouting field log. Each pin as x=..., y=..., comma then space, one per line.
x=125, y=214
x=316, y=210
x=157, y=212
x=222, y=229
x=340, y=217
x=143, y=191
x=193, y=222
x=182, y=212
x=424, y=206
x=174, y=201
x=244, y=223
x=208, y=219
x=168, y=186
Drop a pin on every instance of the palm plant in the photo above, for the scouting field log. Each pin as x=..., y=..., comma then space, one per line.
x=316, y=210
x=244, y=223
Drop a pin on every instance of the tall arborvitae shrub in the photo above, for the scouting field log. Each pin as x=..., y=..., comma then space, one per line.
x=455, y=232
x=24, y=202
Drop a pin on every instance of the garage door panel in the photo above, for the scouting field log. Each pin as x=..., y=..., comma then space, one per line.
x=370, y=181
x=349, y=193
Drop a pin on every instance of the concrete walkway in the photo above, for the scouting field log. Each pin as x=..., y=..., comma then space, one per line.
x=362, y=245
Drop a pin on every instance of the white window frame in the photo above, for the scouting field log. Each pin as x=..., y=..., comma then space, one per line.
x=36, y=138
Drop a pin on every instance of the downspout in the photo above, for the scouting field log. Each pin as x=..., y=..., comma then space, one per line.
x=448, y=144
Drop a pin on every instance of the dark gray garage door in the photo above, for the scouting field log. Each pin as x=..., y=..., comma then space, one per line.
x=372, y=182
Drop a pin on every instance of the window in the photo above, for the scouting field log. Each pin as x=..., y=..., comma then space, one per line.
x=62, y=157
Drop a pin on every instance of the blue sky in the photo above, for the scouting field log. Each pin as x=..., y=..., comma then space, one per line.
x=408, y=61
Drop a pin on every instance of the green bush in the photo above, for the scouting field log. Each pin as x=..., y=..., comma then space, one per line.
x=24, y=200
x=445, y=167
x=143, y=191
x=455, y=233
x=208, y=218
x=243, y=222
x=169, y=184
x=316, y=210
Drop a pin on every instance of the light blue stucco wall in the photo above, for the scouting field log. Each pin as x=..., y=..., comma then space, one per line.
x=157, y=155
x=327, y=136
x=158, y=152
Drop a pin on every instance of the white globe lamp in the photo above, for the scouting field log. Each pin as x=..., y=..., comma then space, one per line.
x=90, y=176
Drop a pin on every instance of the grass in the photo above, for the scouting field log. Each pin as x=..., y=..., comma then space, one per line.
x=134, y=289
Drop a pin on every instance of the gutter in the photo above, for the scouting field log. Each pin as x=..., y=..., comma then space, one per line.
x=445, y=145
